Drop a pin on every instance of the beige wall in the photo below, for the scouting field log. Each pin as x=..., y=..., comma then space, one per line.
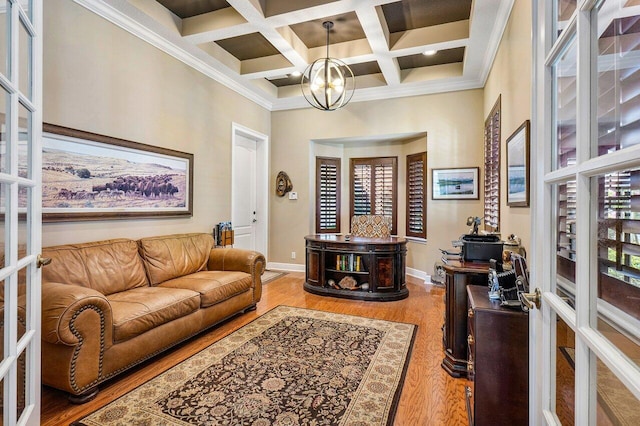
x=100, y=78
x=453, y=123
x=510, y=77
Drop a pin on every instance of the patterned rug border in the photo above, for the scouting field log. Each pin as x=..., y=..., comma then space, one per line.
x=373, y=322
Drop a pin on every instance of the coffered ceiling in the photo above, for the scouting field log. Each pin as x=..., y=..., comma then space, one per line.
x=254, y=46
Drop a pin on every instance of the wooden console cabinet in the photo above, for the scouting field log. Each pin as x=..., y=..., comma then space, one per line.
x=376, y=264
x=458, y=275
x=498, y=362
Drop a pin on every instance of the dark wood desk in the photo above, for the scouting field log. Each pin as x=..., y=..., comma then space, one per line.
x=376, y=264
x=458, y=275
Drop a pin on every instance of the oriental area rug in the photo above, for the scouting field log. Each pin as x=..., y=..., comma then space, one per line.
x=291, y=366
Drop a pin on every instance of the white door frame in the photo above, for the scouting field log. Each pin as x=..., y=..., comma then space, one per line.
x=262, y=181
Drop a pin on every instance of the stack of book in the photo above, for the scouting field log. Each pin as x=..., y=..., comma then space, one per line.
x=349, y=262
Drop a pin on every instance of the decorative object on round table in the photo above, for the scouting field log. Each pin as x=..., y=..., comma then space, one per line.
x=348, y=283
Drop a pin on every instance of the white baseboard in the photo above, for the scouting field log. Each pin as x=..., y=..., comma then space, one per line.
x=419, y=274
x=291, y=267
x=294, y=267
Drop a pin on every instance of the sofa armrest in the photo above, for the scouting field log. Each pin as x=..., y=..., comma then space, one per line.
x=233, y=259
x=71, y=312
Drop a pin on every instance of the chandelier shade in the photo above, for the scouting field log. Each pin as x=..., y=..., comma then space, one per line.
x=328, y=83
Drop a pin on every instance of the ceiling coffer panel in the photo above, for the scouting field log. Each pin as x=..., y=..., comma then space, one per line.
x=249, y=46
x=447, y=56
x=412, y=14
x=188, y=8
x=346, y=27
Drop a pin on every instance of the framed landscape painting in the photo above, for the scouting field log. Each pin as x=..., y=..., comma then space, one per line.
x=86, y=176
x=455, y=184
x=518, y=167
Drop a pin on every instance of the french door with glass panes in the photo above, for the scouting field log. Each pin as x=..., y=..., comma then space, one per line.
x=586, y=199
x=20, y=208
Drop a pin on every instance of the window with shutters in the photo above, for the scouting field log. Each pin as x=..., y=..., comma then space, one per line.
x=327, y=195
x=374, y=187
x=416, y=199
x=492, y=169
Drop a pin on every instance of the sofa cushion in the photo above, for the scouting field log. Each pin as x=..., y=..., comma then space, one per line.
x=171, y=256
x=141, y=309
x=109, y=266
x=213, y=286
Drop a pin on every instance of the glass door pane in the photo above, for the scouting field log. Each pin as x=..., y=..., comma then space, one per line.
x=618, y=245
x=565, y=376
x=564, y=72
x=618, y=96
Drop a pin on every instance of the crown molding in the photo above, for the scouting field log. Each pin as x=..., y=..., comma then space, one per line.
x=379, y=93
x=117, y=17
x=502, y=19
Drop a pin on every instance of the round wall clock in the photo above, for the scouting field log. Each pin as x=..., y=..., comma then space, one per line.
x=283, y=184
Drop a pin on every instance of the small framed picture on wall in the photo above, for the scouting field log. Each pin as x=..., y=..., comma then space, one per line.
x=455, y=184
x=518, y=167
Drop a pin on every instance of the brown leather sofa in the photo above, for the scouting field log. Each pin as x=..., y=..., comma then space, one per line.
x=109, y=305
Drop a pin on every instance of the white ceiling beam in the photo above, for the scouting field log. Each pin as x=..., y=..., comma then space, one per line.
x=152, y=23
x=265, y=63
x=377, y=32
x=216, y=25
x=487, y=23
x=452, y=32
x=322, y=11
x=285, y=41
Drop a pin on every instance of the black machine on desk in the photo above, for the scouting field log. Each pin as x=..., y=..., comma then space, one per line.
x=475, y=248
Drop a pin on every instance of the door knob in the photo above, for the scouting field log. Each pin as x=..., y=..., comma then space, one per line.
x=531, y=300
x=42, y=261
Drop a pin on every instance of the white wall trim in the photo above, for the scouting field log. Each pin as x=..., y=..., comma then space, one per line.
x=292, y=267
x=416, y=273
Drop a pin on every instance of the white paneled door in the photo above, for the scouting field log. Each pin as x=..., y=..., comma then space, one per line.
x=249, y=169
x=244, y=206
x=20, y=207
x=585, y=365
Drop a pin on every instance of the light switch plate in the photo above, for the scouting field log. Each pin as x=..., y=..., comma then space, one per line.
x=293, y=195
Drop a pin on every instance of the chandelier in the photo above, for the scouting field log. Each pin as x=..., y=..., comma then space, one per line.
x=328, y=83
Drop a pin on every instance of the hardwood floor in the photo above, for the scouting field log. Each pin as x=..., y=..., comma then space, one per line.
x=429, y=397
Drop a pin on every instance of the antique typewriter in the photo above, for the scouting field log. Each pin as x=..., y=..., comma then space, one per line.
x=507, y=281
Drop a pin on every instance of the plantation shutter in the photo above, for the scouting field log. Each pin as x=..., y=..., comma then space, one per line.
x=327, y=195
x=374, y=187
x=416, y=199
x=492, y=169
x=361, y=189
